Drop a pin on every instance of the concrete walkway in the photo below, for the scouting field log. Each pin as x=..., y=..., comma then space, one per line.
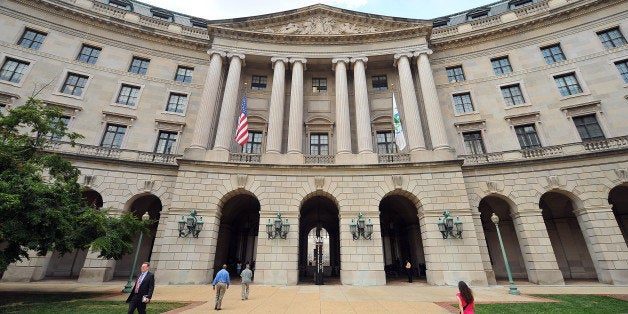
x=399, y=297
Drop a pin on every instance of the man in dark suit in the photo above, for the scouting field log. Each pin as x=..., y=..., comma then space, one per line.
x=142, y=291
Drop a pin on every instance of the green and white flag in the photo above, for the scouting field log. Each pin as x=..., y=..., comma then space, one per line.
x=400, y=139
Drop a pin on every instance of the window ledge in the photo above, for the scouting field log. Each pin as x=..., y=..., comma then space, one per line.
x=115, y=104
x=68, y=95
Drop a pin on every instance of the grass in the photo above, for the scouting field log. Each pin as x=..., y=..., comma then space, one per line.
x=567, y=304
x=71, y=303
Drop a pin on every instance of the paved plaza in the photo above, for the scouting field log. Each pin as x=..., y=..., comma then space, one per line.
x=398, y=297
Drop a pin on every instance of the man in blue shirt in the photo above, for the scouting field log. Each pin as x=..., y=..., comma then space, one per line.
x=221, y=281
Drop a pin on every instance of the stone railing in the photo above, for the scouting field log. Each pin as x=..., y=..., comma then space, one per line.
x=109, y=10
x=573, y=149
x=393, y=158
x=245, y=158
x=319, y=159
x=531, y=9
x=110, y=153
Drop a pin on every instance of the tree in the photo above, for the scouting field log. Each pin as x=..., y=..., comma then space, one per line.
x=41, y=203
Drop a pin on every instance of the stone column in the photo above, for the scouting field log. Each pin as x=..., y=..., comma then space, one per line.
x=295, y=127
x=209, y=97
x=605, y=243
x=275, y=119
x=412, y=119
x=362, y=109
x=343, y=126
x=430, y=100
x=226, y=124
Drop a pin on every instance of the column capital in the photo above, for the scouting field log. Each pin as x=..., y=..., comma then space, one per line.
x=221, y=53
x=303, y=61
x=336, y=61
x=356, y=59
x=400, y=55
x=273, y=60
x=426, y=52
x=237, y=55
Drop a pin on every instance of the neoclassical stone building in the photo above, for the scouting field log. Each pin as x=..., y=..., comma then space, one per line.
x=517, y=108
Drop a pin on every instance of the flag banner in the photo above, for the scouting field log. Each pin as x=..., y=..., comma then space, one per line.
x=400, y=139
x=242, y=131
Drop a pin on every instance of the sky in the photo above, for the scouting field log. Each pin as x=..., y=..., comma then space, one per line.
x=226, y=9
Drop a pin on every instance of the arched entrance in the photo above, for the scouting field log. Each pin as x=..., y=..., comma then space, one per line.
x=140, y=204
x=237, y=236
x=401, y=238
x=618, y=198
x=319, y=216
x=572, y=255
x=501, y=208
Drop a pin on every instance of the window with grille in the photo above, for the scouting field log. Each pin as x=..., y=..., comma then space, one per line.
x=501, y=65
x=177, y=103
x=13, y=70
x=128, y=95
x=32, y=39
x=74, y=84
x=473, y=143
x=139, y=65
x=568, y=84
x=622, y=66
x=319, y=144
x=122, y=4
x=380, y=82
x=455, y=74
x=553, y=53
x=258, y=82
x=165, y=142
x=88, y=54
x=588, y=128
x=612, y=38
x=386, y=142
x=184, y=74
x=512, y=95
x=527, y=136
x=463, y=103
x=114, y=134
x=254, y=144
x=319, y=85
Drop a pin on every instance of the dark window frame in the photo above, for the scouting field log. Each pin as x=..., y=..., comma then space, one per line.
x=321, y=148
x=74, y=84
x=460, y=103
x=166, y=141
x=501, y=67
x=16, y=74
x=89, y=54
x=474, y=143
x=567, y=87
x=609, y=41
x=512, y=94
x=527, y=136
x=139, y=65
x=32, y=39
x=379, y=82
x=254, y=143
x=129, y=98
x=186, y=76
x=180, y=103
x=455, y=73
x=588, y=126
x=259, y=82
x=386, y=142
x=319, y=85
x=114, y=134
x=553, y=53
x=622, y=67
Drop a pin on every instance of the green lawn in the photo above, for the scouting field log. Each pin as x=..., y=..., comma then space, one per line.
x=567, y=304
x=71, y=303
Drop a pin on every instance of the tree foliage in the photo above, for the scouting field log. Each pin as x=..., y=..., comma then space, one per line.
x=41, y=204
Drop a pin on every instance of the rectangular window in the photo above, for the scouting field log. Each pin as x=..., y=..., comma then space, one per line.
x=473, y=143
x=139, y=65
x=612, y=38
x=380, y=82
x=512, y=95
x=88, y=54
x=455, y=74
x=258, y=82
x=588, y=128
x=113, y=136
x=184, y=74
x=65, y=120
x=553, y=53
x=501, y=65
x=386, y=143
x=177, y=103
x=254, y=144
x=13, y=70
x=519, y=3
x=462, y=103
x=32, y=39
x=319, y=85
x=128, y=95
x=526, y=134
x=122, y=4
x=319, y=144
x=165, y=142
x=74, y=84
x=622, y=66
x=568, y=84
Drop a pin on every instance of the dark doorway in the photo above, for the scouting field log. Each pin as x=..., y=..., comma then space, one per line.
x=319, y=213
x=618, y=198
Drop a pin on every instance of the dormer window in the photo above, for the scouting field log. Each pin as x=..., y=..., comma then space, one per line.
x=162, y=14
x=515, y=4
x=477, y=14
x=196, y=22
x=440, y=22
x=122, y=4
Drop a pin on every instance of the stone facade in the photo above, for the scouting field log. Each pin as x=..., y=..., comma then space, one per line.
x=488, y=130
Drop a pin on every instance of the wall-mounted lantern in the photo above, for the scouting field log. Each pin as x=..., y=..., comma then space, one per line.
x=449, y=228
x=190, y=225
x=277, y=228
x=361, y=228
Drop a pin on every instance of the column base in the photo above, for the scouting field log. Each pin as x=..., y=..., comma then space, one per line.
x=432, y=155
x=363, y=277
x=356, y=159
x=194, y=153
x=279, y=277
x=95, y=275
x=184, y=276
x=282, y=159
x=218, y=155
x=546, y=277
x=451, y=278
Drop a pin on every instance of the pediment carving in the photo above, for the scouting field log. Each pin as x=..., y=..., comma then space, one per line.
x=321, y=25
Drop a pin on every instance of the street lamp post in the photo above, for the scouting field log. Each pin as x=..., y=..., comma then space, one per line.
x=129, y=284
x=513, y=288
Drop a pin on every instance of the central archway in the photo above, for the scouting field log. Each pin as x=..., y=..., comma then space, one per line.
x=319, y=213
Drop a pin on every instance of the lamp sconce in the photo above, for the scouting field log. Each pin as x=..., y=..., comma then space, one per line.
x=361, y=228
x=190, y=225
x=277, y=228
x=449, y=228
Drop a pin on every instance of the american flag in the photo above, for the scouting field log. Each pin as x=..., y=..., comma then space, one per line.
x=242, y=132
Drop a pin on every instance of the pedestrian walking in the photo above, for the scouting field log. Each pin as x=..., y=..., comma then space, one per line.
x=465, y=299
x=246, y=275
x=142, y=291
x=238, y=267
x=409, y=270
x=221, y=281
